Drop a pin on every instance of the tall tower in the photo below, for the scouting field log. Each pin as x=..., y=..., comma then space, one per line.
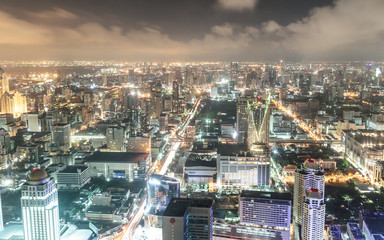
x=4, y=82
x=40, y=208
x=313, y=215
x=258, y=122
x=309, y=176
x=175, y=95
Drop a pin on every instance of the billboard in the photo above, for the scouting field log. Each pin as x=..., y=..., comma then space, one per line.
x=161, y=189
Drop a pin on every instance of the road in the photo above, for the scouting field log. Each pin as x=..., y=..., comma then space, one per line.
x=129, y=228
x=307, y=128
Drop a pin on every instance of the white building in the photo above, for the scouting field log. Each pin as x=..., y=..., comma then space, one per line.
x=129, y=165
x=40, y=208
x=266, y=210
x=244, y=169
x=313, y=215
x=308, y=176
x=73, y=177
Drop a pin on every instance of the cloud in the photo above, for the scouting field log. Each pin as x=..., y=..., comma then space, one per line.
x=348, y=30
x=237, y=5
x=225, y=30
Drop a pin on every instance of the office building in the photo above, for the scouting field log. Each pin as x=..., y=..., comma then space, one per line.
x=242, y=116
x=116, y=139
x=40, y=209
x=313, y=215
x=61, y=137
x=267, y=210
x=307, y=176
x=188, y=219
x=73, y=177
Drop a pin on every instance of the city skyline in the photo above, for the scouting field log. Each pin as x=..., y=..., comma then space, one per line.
x=221, y=30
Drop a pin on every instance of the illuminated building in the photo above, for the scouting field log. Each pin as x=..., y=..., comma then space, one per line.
x=364, y=149
x=7, y=103
x=242, y=168
x=313, y=215
x=156, y=100
x=308, y=176
x=40, y=209
x=73, y=177
x=4, y=82
x=20, y=104
x=127, y=165
x=242, y=117
x=175, y=96
x=258, y=122
x=266, y=210
x=187, y=218
x=5, y=146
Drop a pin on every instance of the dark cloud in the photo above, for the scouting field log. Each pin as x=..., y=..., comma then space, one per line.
x=345, y=30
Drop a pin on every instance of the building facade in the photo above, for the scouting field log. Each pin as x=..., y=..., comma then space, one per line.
x=40, y=207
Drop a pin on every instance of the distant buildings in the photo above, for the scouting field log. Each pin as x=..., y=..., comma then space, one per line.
x=40, y=208
x=188, y=219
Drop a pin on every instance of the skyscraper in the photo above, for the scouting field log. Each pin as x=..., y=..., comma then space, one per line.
x=175, y=95
x=313, y=215
x=4, y=82
x=40, y=208
x=309, y=176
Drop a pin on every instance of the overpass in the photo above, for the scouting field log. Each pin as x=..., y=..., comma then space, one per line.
x=304, y=141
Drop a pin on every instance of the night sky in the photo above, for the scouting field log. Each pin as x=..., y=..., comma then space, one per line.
x=194, y=30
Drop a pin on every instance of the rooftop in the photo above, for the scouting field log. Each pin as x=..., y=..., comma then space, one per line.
x=127, y=157
x=178, y=206
x=73, y=169
x=266, y=195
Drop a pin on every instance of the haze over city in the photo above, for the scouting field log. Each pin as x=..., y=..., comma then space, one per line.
x=184, y=120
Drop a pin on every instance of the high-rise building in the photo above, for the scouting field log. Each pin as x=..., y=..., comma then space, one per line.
x=40, y=208
x=156, y=99
x=242, y=116
x=6, y=103
x=116, y=139
x=270, y=210
x=61, y=137
x=4, y=82
x=186, y=218
x=258, y=122
x=313, y=215
x=20, y=104
x=175, y=95
x=309, y=176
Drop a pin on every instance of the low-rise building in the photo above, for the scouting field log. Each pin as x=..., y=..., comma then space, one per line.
x=73, y=177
